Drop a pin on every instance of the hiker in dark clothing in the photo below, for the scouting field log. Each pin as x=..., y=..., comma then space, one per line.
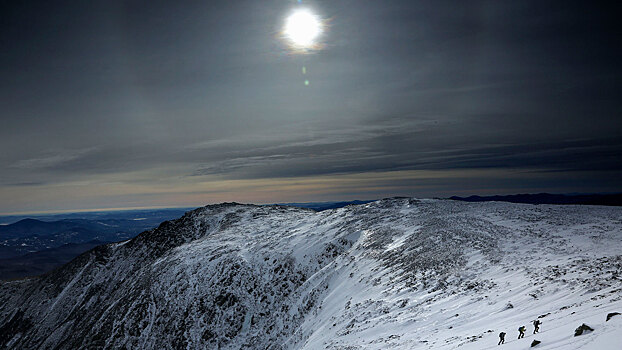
x=501, y=338
x=521, y=332
x=536, y=326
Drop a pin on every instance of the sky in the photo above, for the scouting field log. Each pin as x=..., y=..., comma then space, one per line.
x=114, y=104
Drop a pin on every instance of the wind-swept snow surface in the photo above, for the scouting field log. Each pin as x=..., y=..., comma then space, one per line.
x=393, y=274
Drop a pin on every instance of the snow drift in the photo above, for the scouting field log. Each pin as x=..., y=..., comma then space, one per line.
x=393, y=274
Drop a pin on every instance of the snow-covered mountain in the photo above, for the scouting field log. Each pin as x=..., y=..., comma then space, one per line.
x=392, y=274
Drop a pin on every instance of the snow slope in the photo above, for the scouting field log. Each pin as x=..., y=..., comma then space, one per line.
x=393, y=274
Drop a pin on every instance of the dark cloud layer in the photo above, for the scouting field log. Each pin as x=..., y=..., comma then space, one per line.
x=146, y=101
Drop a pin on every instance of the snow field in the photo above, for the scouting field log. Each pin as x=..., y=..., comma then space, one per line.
x=393, y=274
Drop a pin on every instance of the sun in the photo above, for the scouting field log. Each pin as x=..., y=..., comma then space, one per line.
x=302, y=29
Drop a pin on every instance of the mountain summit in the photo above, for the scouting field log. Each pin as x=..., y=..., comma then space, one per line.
x=392, y=274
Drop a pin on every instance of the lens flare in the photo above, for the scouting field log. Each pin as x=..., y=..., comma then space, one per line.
x=302, y=28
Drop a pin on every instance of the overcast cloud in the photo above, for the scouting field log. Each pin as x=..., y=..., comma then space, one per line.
x=144, y=103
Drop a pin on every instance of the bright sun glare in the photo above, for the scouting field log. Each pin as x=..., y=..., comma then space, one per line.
x=302, y=28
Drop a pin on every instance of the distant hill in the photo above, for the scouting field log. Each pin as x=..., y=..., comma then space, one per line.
x=548, y=198
x=153, y=215
x=30, y=235
x=28, y=227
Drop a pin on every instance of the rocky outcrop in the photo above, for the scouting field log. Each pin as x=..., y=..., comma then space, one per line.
x=582, y=329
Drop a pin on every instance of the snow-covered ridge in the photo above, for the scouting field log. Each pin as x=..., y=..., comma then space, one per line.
x=397, y=273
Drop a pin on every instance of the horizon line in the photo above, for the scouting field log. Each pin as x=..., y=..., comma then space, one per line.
x=71, y=211
x=93, y=210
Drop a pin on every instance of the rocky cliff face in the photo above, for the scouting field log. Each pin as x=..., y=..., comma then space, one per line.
x=398, y=273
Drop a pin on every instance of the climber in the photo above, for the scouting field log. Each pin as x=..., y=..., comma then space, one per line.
x=536, y=326
x=501, y=338
x=521, y=332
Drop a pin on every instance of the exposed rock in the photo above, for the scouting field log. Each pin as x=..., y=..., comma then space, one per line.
x=535, y=342
x=611, y=314
x=18, y=324
x=581, y=329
